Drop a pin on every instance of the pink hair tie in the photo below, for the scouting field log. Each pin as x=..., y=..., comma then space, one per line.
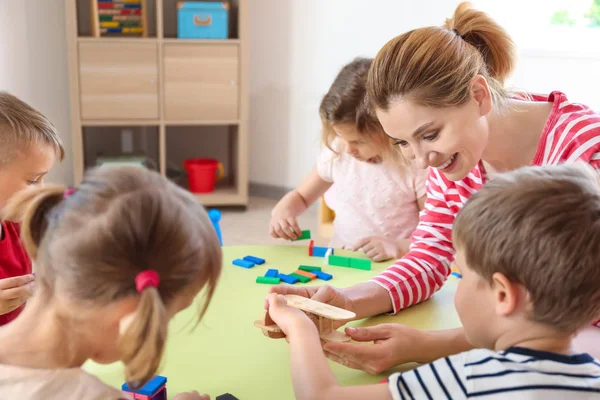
x=68, y=193
x=145, y=279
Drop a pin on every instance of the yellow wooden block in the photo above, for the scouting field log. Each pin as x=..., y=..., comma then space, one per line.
x=112, y=24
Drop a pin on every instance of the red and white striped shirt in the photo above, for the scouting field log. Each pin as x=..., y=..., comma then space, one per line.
x=572, y=132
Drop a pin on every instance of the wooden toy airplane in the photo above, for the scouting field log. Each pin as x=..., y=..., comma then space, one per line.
x=322, y=314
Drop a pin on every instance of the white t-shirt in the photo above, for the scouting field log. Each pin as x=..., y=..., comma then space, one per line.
x=50, y=384
x=516, y=373
x=370, y=199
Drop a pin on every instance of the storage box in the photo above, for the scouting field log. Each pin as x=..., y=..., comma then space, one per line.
x=202, y=20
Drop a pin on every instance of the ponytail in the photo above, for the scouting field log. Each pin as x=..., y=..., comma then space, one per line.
x=32, y=207
x=143, y=342
x=435, y=66
x=490, y=39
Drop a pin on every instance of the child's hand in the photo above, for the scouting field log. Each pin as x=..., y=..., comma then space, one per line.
x=14, y=292
x=287, y=318
x=377, y=248
x=191, y=396
x=284, y=226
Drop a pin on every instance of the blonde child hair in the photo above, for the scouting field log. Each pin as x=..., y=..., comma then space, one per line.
x=90, y=245
x=22, y=126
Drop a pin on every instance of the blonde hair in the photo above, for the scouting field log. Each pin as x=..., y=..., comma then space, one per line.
x=345, y=102
x=434, y=66
x=22, y=126
x=121, y=221
x=540, y=227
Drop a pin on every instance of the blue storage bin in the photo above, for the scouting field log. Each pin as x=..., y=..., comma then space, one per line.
x=202, y=20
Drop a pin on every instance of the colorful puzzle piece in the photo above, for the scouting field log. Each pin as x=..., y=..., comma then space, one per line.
x=301, y=278
x=323, y=276
x=242, y=263
x=309, y=275
x=309, y=268
x=272, y=273
x=267, y=280
x=350, y=262
x=304, y=236
x=288, y=279
x=255, y=260
x=154, y=389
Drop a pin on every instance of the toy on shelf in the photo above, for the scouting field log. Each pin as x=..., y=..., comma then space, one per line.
x=304, y=236
x=215, y=217
x=154, y=389
x=119, y=18
x=350, y=262
x=323, y=314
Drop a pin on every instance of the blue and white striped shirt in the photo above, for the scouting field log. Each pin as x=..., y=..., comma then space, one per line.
x=517, y=373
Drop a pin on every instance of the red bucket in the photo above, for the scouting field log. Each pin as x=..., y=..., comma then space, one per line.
x=203, y=173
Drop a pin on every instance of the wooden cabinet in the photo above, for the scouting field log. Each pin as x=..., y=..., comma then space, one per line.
x=118, y=81
x=201, y=82
x=189, y=97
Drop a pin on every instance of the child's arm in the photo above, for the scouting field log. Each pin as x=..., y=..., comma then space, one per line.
x=283, y=217
x=312, y=376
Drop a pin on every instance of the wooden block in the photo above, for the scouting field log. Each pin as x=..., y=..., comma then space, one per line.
x=339, y=261
x=309, y=268
x=304, y=236
x=359, y=263
x=255, y=260
x=309, y=275
x=318, y=308
x=242, y=263
x=272, y=273
x=324, y=276
x=301, y=278
x=311, y=247
x=268, y=280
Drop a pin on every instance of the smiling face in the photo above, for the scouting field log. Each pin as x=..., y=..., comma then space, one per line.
x=357, y=145
x=450, y=139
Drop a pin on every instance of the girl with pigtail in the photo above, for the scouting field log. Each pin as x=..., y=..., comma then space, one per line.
x=115, y=260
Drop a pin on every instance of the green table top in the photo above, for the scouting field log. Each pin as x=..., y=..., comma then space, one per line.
x=225, y=353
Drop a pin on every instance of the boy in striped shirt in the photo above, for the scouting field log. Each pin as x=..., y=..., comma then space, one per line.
x=526, y=246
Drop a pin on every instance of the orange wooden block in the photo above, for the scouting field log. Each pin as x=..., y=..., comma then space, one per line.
x=307, y=274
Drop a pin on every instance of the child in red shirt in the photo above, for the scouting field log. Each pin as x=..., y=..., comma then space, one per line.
x=29, y=146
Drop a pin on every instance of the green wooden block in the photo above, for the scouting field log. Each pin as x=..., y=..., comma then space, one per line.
x=309, y=268
x=305, y=235
x=339, y=261
x=267, y=280
x=360, y=263
x=301, y=278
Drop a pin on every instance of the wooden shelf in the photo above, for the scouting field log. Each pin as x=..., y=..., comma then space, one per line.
x=120, y=122
x=222, y=196
x=116, y=39
x=201, y=41
x=201, y=123
x=161, y=95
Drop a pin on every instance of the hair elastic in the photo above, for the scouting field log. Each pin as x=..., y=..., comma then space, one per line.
x=145, y=279
x=68, y=193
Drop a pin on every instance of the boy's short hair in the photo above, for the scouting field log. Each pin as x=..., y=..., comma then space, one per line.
x=540, y=227
x=22, y=126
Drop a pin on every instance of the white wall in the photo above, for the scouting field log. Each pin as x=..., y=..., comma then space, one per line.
x=297, y=47
x=33, y=65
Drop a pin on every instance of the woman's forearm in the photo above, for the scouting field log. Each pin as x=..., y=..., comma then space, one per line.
x=368, y=299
